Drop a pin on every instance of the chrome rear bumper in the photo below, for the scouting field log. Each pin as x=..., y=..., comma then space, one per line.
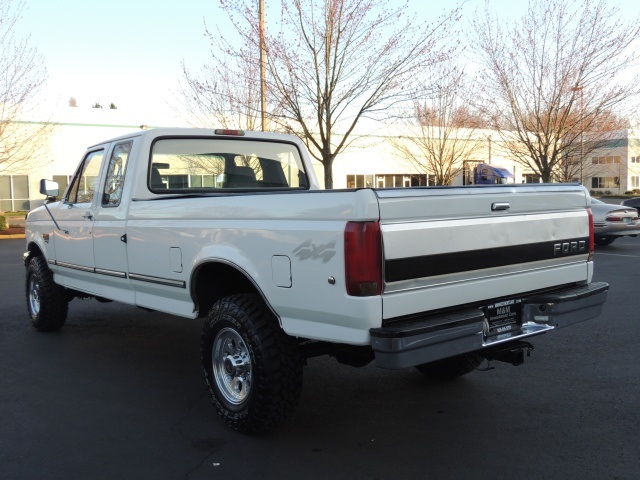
x=426, y=339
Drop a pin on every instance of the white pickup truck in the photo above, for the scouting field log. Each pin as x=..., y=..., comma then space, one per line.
x=231, y=226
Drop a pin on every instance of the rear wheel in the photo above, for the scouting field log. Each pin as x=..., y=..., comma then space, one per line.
x=603, y=241
x=453, y=367
x=46, y=300
x=252, y=368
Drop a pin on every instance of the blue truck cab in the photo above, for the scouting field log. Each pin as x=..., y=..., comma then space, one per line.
x=485, y=174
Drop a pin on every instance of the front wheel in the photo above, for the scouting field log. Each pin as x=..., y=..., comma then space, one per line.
x=452, y=367
x=252, y=368
x=46, y=300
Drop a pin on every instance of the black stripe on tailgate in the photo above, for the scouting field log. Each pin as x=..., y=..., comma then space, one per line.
x=400, y=269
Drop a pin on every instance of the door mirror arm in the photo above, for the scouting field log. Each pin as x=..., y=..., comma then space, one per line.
x=50, y=189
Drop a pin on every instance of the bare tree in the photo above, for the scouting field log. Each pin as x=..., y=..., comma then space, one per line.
x=550, y=77
x=331, y=64
x=574, y=164
x=21, y=78
x=443, y=133
x=225, y=93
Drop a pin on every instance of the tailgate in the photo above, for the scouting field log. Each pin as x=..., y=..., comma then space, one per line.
x=453, y=246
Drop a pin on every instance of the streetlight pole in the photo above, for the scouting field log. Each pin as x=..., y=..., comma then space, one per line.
x=263, y=76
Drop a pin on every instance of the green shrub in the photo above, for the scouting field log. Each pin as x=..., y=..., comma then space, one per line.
x=3, y=223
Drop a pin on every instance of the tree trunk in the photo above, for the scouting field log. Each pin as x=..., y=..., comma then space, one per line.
x=546, y=175
x=328, y=175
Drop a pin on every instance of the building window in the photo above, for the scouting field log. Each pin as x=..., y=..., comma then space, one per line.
x=202, y=181
x=360, y=181
x=605, y=182
x=605, y=160
x=63, y=183
x=530, y=178
x=14, y=193
x=635, y=181
x=390, y=180
x=635, y=159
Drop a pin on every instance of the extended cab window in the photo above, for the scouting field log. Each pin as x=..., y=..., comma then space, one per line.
x=115, y=174
x=203, y=164
x=84, y=182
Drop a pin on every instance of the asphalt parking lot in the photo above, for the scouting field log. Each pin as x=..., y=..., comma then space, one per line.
x=118, y=394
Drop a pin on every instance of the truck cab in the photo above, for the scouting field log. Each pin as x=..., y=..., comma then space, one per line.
x=485, y=174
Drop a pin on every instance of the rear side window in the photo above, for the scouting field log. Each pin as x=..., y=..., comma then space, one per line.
x=210, y=165
x=115, y=174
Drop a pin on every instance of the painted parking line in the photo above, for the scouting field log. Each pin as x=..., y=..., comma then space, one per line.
x=616, y=255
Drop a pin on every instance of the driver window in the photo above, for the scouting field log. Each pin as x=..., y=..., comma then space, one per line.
x=86, y=178
x=115, y=175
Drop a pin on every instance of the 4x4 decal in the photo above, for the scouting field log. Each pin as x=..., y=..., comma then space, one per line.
x=308, y=250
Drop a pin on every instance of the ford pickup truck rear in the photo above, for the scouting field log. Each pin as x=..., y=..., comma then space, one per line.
x=513, y=270
x=232, y=228
x=513, y=267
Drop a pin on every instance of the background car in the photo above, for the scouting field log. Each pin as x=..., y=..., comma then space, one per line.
x=613, y=221
x=631, y=202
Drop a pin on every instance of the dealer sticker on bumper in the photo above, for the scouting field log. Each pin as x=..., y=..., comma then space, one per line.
x=504, y=317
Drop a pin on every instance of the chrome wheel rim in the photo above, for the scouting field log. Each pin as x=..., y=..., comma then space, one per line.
x=34, y=295
x=231, y=366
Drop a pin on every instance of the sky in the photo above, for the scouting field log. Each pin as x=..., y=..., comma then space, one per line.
x=129, y=52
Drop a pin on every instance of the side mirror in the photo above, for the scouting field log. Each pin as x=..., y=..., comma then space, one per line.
x=49, y=188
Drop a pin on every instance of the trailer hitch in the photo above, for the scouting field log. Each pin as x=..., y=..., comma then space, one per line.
x=512, y=353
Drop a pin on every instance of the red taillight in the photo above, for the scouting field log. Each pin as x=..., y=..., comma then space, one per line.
x=613, y=218
x=363, y=258
x=591, y=236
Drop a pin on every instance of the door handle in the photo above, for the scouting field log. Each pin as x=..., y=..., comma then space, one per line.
x=500, y=206
x=88, y=216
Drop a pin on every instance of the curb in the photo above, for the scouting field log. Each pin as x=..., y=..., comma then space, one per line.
x=19, y=235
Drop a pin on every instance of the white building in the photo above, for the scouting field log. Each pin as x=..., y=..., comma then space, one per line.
x=372, y=161
x=74, y=129
x=614, y=167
